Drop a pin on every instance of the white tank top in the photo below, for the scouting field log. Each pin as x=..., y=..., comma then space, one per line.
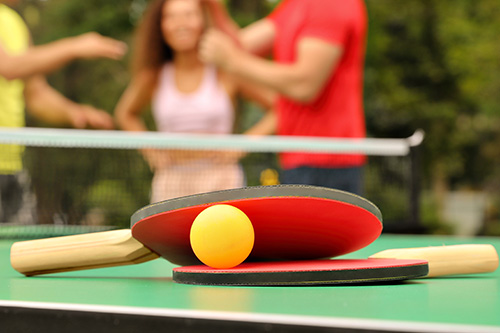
x=207, y=110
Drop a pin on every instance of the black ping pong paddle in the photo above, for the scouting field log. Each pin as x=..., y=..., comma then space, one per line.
x=386, y=266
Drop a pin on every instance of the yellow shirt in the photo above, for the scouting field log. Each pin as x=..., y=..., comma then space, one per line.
x=14, y=39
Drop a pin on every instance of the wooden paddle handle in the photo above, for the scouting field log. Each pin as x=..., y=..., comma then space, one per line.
x=450, y=260
x=78, y=252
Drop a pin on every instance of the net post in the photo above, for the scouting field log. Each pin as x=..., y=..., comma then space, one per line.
x=415, y=142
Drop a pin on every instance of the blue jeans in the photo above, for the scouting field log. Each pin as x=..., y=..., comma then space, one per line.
x=17, y=201
x=345, y=179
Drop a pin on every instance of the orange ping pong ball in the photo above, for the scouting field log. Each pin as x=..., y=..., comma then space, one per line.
x=222, y=236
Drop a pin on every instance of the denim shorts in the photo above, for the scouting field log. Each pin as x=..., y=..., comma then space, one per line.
x=345, y=179
x=17, y=201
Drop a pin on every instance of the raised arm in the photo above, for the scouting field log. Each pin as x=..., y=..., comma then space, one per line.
x=50, y=106
x=257, y=38
x=49, y=57
x=301, y=80
x=221, y=19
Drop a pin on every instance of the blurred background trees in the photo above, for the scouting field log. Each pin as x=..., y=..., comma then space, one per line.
x=434, y=65
x=430, y=64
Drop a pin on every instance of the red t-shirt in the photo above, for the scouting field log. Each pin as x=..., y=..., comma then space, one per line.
x=338, y=111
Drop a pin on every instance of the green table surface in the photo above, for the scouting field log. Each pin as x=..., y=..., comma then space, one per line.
x=457, y=300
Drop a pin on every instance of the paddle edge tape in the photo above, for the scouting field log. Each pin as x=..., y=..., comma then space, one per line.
x=254, y=192
x=307, y=278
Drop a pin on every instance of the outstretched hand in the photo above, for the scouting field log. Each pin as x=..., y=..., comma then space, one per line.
x=86, y=116
x=93, y=45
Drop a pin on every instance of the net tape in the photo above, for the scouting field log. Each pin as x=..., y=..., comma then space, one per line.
x=50, y=137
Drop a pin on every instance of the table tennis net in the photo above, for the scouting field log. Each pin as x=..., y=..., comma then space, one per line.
x=62, y=181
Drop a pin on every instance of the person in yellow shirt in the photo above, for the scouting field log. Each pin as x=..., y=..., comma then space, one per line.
x=23, y=85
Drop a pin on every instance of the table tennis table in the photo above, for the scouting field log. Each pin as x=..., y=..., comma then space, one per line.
x=143, y=298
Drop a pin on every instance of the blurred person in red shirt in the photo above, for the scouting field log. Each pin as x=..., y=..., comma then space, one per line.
x=319, y=49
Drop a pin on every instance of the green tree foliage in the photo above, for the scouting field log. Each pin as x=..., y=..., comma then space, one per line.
x=434, y=65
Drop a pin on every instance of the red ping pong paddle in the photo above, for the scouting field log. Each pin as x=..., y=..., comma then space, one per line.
x=386, y=266
x=304, y=273
x=290, y=222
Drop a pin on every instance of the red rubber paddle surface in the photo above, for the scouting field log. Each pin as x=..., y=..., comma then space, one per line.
x=312, y=272
x=286, y=228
